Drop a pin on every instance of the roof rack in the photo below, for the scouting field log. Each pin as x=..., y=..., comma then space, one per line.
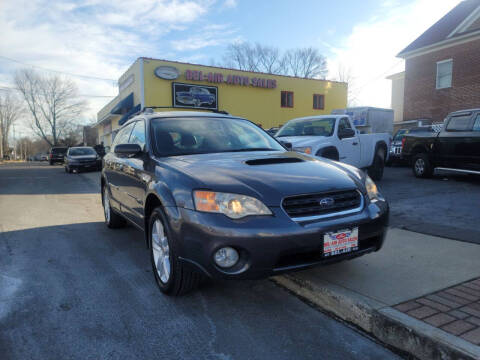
x=172, y=107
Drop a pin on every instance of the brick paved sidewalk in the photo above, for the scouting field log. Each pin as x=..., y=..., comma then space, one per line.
x=455, y=310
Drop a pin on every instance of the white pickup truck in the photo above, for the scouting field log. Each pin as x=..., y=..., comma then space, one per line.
x=335, y=137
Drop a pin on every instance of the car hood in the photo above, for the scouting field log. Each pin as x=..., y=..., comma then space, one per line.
x=301, y=141
x=268, y=176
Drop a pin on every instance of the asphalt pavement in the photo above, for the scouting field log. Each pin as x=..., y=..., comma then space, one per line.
x=70, y=288
x=446, y=205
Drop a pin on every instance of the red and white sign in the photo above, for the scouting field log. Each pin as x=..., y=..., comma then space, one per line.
x=341, y=242
x=218, y=78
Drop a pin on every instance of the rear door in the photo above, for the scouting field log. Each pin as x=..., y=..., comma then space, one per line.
x=349, y=149
x=454, y=143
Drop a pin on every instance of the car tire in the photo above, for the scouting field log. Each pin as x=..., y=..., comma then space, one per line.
x=421, y=166
x=112, y=219
x=376, y=170
x=171, y=275
x=51, y=163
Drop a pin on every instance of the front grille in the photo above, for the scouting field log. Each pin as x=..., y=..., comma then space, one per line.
x=323, y=204
x=84, y=161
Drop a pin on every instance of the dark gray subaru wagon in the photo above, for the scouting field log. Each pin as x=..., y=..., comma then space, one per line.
x=217, y=196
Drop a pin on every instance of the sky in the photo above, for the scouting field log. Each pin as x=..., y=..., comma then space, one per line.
x=96, y=41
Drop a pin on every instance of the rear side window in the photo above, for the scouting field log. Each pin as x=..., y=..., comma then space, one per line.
x=476, y=124
x=459, y=123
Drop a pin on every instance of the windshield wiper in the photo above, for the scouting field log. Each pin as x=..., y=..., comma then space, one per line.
x=252, y=149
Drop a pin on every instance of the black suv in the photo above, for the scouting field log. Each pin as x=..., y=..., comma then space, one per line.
x=217, y=196
x=56, y=154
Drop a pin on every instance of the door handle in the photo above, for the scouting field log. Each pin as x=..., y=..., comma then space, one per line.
x=354, y=143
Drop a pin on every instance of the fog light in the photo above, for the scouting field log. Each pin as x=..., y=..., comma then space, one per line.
x=226, y=257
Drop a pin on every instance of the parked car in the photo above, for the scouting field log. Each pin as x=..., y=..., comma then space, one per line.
x=57, y=154
x=82, y=158
x=455, y=148
x=397, y=142
x=272, y=131
x=217, y=197
x=335, y=137
x=195, y=96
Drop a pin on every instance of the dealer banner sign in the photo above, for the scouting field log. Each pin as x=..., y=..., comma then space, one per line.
x=194, y=96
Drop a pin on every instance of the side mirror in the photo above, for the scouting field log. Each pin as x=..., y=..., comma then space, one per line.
x=127, y=150
x=346, y=133
x=288, y=145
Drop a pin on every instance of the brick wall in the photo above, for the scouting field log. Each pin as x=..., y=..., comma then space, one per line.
x=423, y=100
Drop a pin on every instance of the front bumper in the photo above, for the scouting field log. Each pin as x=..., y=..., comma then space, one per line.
x=93, y=165
x=271, y=245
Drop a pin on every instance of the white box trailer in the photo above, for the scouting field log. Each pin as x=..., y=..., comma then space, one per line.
x=369, y=120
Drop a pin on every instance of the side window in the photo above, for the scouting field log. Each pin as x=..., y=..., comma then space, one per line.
x=444, y=74
x=122, y=136
x=459, y=123
x=318, y=101
x=286, y=99
x=476, y=124
x=138, y=134
x=344, y=124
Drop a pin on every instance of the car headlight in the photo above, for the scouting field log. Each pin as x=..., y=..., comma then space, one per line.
x=234, y=206
x=372, y=190
x=306, y=150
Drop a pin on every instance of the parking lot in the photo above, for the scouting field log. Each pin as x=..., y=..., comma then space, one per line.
x=445, y=205
x=71, y=288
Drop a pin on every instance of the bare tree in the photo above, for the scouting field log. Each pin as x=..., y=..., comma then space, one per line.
x=345, y=74
x=10, y=111
x=52, y=103
x=242, y=56
x=306, y=63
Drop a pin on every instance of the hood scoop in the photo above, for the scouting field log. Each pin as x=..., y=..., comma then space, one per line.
x=271, y=161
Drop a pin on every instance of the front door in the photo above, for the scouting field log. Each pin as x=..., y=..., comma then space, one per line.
x=136, y=177
x=349, y=149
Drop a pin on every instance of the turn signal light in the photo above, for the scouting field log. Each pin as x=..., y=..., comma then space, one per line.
x=205, y=201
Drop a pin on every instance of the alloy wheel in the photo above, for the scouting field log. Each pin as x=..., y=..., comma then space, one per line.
x=419, y=166
x=161, y=251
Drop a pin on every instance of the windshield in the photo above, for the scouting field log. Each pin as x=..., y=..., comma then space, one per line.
x=209, y=135
x=308, y=127
x=58, y=150
x=399, y=135
x=81, y=151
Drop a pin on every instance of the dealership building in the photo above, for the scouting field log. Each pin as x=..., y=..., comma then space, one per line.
x=266, y=99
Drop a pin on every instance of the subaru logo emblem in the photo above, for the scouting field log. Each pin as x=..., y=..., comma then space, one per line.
x=326, y=202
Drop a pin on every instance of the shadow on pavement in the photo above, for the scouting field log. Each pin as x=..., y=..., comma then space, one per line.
x=85, y=291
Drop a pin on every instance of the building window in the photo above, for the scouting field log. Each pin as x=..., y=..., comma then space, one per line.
x=444, y=74
x=287, y=99
x=318, y=101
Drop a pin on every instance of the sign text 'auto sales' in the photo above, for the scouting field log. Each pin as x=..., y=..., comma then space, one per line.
x=218, y=78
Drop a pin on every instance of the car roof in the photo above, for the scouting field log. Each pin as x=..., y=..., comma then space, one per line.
x=80, y=147
x=464, y=111
x=320, y=117
x=181, y=114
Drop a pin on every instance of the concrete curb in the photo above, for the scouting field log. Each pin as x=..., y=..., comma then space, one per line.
x=382, y=322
